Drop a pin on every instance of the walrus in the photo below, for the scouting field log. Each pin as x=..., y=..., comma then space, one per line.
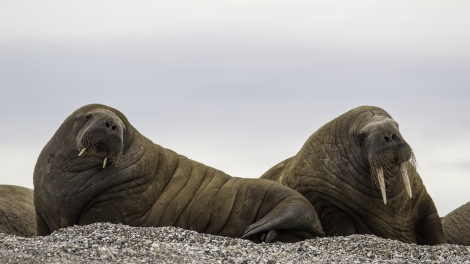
x=359, y=173
x=98, y=168
x=17, y=214
x=456, y=225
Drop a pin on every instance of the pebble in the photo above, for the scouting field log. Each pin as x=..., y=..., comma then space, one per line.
x=110, y=243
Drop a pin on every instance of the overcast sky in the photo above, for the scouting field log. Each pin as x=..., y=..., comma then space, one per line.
x=240, y=85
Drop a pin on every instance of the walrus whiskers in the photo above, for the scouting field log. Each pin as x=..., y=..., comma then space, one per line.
x=406, y=178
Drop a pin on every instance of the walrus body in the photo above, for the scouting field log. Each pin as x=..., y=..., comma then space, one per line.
x=358, y=173
x=98, y=168
x=456, y=225
x=17, y=215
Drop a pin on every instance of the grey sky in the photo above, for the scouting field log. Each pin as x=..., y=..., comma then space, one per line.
x=240, y=85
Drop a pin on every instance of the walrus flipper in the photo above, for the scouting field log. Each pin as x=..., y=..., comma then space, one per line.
x=292, y=220
x=42, y=228
x=429, y=230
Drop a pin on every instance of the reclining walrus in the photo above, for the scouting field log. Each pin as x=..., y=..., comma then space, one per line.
x=99, y=168
x=17, y=215
x=359, y=174
x=456, y=225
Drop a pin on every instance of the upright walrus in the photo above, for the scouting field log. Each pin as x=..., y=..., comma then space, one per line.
x=359, y=174
x=98, y=168
x=17, y=216
x=456, y=225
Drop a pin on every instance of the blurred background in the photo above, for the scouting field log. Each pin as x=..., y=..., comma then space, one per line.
x=240, y=85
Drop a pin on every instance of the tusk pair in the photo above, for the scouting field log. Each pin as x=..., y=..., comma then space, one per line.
x=104, y=161
x=404, y=176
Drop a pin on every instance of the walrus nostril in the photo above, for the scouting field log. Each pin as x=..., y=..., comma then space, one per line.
x=390, y=138
x=110, y=125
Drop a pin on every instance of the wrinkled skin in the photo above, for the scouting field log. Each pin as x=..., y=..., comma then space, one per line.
x=456, y=225
x=98, y=168
x=337, y=171
x=17, y=215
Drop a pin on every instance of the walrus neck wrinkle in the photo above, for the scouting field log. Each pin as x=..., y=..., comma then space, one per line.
x=167, y=164
x=347, y=156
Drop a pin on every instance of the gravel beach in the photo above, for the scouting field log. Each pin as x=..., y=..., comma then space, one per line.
x=109, y=243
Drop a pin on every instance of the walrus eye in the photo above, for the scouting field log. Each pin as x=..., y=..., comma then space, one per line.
x=362, y=137
x=87, y=117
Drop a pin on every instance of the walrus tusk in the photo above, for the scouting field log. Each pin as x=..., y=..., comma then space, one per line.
x=81, y=152
x=406, y=178
x=104, y=161
x=380, y=177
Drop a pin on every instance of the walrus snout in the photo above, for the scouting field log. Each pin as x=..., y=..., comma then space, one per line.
x=102, y=136
x=391, y=139
x=387, y=152
x=391, y=163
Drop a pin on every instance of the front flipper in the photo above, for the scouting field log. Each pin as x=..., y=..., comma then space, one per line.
x=293, y=219
x=268, y=236
x=335, y=221
x=42, y=227
x=429, y=229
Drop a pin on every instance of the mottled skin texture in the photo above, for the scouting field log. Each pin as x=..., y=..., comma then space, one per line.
x=456, y=225
x=144, y=184
x=333, y=171
x=17, y=215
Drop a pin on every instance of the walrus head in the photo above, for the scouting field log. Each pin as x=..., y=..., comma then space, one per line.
x=386, y=152
x=101, y=135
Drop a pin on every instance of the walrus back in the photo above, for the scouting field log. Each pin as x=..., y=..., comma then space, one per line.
x=278, y=172
x=204, y=199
